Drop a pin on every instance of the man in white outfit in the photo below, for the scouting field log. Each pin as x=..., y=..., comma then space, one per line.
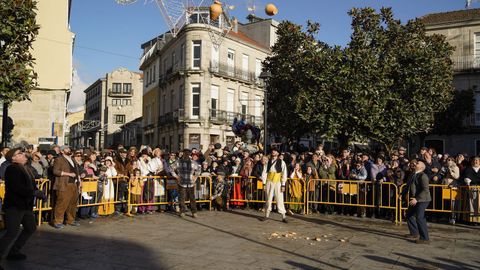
x=276, y=177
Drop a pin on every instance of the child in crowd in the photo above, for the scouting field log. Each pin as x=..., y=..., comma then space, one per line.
x=219, y=196
x=102, y=179
x=136, y=185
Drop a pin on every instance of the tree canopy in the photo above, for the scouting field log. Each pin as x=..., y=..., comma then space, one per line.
x=18, y=30
x=389, y=82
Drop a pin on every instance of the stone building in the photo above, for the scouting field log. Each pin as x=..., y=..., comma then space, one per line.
x=42, y=118
x=462, y=30
x=73, y=118
x=110, y=103
x=193, y=90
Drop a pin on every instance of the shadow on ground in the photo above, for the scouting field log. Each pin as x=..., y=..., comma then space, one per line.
x=67, y=250
x=415, y=262
x=288, y=253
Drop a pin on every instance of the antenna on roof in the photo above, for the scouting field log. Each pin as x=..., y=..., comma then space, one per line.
x=251, y=7
x=468, y=3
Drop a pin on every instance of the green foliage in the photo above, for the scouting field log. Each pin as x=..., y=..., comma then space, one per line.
x=451, y=120
x=388, y=83
x=18, y=30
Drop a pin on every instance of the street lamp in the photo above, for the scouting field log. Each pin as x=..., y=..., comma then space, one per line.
x=265, y=76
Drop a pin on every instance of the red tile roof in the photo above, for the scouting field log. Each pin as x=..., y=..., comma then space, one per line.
x=451, y=16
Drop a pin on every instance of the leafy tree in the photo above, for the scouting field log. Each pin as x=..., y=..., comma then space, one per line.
x=388, y=83
x=287, y=80
x=403, y=76
x=18, y=30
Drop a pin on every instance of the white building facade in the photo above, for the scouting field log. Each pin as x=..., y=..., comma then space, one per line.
x=193, y=90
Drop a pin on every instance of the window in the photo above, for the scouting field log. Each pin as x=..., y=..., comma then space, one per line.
x=197, y=54
x=126, y=102
x=117, y=88
x=164, y=105
x=258, y=106
x=230, y=98
x=214, y=64
x=195, y=100
x=476, y=63
x=230, y=61
x=245, y=67
x=147, y=81
x=116, y=102
x=258, y=67
x=120, y=119
x=154, y=72
x=194, y=18
x=181, y=97
x=244, y=102
x=214, y=101
x=165, y=66
x=174, y=61
x=127, y=88
x=182, y=56
x=172, y=100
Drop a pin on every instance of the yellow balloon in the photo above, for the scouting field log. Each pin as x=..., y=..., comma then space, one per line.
x=216, y=10
x=271, y=9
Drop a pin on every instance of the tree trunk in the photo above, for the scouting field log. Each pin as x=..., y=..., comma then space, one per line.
x=4, y=125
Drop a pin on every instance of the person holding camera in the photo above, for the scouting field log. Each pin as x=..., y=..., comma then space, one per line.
x=20, y=193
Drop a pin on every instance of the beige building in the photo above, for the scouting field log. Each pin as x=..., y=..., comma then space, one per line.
x=462, y=30
x=72, y=119
x=193, y=90
x=110, y=103
x=43, y=118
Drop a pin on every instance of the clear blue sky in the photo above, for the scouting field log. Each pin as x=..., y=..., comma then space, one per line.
x=103, y=26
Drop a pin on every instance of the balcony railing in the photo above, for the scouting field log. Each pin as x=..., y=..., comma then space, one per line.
x=177, y=116
x=225, y=117
x=234, y=72
x=467, y=62
x=472, y=121
x=171, y=72
x=120, y=93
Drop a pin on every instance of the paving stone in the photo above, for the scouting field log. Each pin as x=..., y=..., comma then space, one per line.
x=238, y=240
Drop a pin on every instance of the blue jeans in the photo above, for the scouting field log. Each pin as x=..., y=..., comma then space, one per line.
x=416, y=220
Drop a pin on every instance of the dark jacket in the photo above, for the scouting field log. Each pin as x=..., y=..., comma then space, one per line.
x=419, y=187
x=19, y=187
x=472, y=175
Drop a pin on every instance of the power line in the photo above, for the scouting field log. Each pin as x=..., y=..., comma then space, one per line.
x=91, y=49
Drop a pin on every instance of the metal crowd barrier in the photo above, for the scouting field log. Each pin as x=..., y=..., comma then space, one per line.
x=300, y=195
x=352, y=193
x=460, y=202
x=250, y=190
x=154, y=192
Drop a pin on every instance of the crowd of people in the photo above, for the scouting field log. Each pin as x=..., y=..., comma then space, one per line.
x=134, y=174
x=67, y=169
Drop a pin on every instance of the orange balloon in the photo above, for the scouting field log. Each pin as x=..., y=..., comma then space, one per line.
x=271, y=9
x=216, y=10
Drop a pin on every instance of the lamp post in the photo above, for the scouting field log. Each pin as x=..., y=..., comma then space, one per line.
x=265, y=76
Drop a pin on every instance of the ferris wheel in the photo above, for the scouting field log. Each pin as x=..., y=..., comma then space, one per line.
x=218, y=22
